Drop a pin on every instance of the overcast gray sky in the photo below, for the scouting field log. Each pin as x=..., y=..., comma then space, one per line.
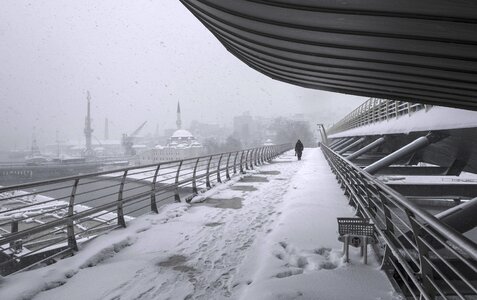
x=137, y=58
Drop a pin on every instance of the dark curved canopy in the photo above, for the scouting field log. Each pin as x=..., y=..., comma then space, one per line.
x=414, y=50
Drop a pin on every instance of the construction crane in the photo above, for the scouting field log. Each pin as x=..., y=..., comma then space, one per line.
x=128, y=140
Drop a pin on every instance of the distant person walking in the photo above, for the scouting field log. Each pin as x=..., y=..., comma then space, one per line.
x=298, y=149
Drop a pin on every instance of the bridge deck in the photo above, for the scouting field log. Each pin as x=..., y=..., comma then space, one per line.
x=272, y=234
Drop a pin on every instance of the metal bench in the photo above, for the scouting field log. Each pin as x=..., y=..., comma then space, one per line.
x=357, y=232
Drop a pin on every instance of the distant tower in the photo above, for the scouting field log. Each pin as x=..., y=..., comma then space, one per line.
x=178, y=121
x=106, y=129
x=35, y=150
x=88, y=131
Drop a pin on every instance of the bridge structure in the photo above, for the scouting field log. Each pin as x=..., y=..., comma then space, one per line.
x=403, y=166
x=406, y=164
x=407, y=51
x=421, y=203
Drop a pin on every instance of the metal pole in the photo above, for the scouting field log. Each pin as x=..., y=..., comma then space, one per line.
x=153, y=191
x=120, y=212
x=70, y=228
x=218, y=169
x=207, y=179
x=194, y=178
x=235, y=162
x=227, y=174
x=251, y=158
x=241, y=162
x=246, y=160
x=324, y=137
x=410, y=148
x=260, y=155
x=177, y=197
x=359, y=141
x=367, y=148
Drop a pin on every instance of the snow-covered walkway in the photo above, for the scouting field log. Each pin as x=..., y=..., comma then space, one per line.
x=270, y=235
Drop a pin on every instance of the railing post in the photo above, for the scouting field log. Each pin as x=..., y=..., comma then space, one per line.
x=246, y=160
x=259, y=156
x=219, y=180
x=194, y=178
x=227, y=174
x=177, y=197
x=425, y=267
x=388, y=231
x=120, y=212
x=252, y=158
x=70, y=228
x=235, y=162
x=207, y=179
x=153, y=191
x=241, y=163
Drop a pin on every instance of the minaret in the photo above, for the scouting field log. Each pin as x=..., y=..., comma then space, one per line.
x=88, y=130
x=35, y=150
x=178, y=121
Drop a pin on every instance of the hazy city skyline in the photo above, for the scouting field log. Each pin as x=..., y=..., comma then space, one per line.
x=137, y=59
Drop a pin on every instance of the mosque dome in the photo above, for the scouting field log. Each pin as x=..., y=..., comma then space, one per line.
x=182, y=133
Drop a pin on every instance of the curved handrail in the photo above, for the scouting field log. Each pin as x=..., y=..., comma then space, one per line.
x=158, y=182
x=457, y=238
x=420, y=244
x=375, y=110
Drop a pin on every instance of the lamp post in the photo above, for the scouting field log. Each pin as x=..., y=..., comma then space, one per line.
x=324, y=138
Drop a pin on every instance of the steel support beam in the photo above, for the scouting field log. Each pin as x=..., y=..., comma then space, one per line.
x=450, y=190
x=410, y=148
x=461, y=217
x=337, y=142
x=344, y=144
x=352, y=145
x=412, y=170
x=367, y=148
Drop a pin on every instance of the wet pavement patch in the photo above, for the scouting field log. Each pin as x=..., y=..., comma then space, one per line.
x=177, y=264
x=281, y=161
x=173, y=261
x=234, y=203
x=213, y=224
x=270, y=172
x=184, y=269
x=245, y=188
x=254, y=179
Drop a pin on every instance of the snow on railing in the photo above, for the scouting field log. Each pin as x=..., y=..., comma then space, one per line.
x=42, y=220
x=376, y=110
x=423, y=255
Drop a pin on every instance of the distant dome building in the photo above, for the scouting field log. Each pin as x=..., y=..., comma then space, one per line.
x=181, y=145
x=268, y=142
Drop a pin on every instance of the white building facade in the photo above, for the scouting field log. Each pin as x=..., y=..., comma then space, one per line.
x=181, y=145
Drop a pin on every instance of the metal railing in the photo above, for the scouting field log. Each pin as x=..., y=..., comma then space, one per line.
x=426, y=258
x=376, y=110
x=43, y=220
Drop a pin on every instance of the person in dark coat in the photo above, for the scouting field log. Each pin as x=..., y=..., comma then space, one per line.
x=298, y=149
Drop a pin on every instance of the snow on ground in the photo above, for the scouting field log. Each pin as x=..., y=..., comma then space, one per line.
x=270, y=235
